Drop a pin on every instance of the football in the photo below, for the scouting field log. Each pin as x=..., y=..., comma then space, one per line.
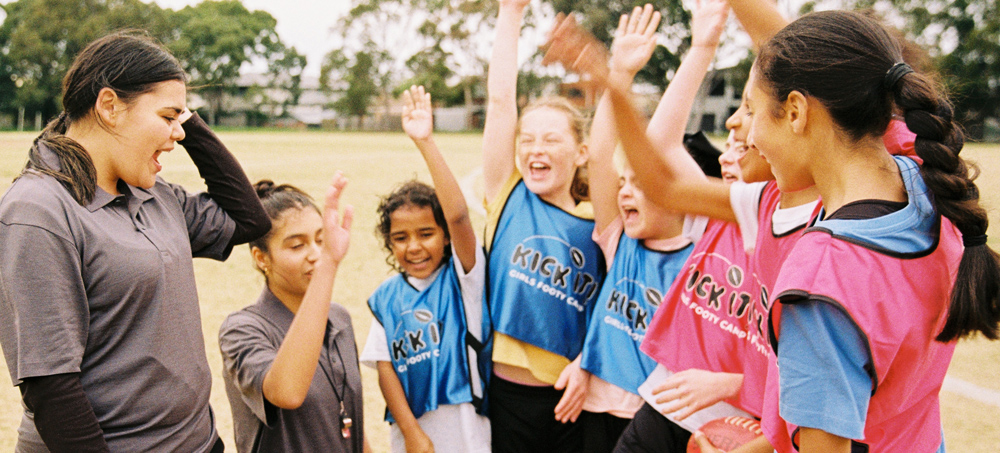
x=727, y=433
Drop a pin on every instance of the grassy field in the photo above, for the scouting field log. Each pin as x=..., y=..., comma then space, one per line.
x=375, y=163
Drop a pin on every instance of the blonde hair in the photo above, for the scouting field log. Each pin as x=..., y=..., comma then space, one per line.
x=579, y=124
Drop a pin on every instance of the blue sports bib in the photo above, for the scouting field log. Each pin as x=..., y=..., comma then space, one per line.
x=545, y=272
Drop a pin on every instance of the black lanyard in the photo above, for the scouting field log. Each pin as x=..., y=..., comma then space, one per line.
x=345, y=421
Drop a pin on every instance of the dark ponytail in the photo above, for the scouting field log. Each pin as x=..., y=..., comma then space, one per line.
x=850, y=63
x=975, y=305
x=129, y=62
x=75, y=169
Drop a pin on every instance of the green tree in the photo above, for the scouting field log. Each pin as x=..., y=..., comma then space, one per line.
x=40, y=38
x=962, y=38
x=441, y=44
x=357, y=76
x=215, y=39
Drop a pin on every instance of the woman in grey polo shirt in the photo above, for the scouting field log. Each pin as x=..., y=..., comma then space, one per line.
x=291, y=364
x=99, y=318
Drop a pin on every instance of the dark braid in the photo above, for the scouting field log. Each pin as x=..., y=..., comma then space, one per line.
x=975, y=305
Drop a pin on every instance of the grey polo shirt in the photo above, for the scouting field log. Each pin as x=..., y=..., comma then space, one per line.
x=107, y=290
x=249, y=340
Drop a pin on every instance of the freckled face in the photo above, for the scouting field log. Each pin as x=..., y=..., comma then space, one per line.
x=417, y=241
x=147, y=127
x=548, y=152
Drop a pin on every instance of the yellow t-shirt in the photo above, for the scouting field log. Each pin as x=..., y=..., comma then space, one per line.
x=543, y=365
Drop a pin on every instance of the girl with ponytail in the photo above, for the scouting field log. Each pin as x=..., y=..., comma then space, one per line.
x=99, y=317
x=872, y=297
x=290, y=363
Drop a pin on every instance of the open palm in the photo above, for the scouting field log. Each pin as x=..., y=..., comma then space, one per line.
x=634, y=40
x=418, y=121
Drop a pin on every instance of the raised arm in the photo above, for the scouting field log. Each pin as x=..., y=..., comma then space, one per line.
x=287, y=381
x=226, y=182
x=418, y=123
x=501, y=105
x=663, y=183
x=760, y=18
x=633, y=46
x=669, y=121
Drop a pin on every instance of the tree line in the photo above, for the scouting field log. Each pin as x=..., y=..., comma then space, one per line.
x=212, y=40
x=383, y=46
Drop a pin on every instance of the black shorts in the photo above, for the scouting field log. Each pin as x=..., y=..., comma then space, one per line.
x=523, y=420
x=651, y=432
x=601, y=431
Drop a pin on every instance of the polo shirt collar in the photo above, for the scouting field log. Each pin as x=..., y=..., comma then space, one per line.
x=128, y=192
x=101, y=197
x=275, y=311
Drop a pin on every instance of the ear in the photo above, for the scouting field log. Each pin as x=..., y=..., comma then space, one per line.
x=108, y=106
x=260, y=258
x=797, y=111
x=583, y=155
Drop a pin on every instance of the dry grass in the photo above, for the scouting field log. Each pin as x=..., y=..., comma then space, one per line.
x=375, y=163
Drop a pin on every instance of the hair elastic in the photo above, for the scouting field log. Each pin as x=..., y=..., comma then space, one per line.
x=896, y=72
x=974, y=241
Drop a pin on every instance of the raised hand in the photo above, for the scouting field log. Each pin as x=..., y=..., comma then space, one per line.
x=634, y=40
x=336, y=232
x=708, y=21
x=418, y=119
x=576, y=49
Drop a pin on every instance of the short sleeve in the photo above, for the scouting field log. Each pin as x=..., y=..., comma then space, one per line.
x=376, y=346
x=822, y=359
x=471, y=285
x=745, y=201
x=247, y=355
x=209, y=227
x=44, y=314
x=694, y=227
x=608, y=239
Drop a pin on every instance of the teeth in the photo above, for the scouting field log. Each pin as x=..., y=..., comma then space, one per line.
x=538, y=166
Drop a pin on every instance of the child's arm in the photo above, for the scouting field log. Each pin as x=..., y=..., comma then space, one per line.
x=501, y=106
x=760, y=18
x=692, y=390
x=664, y=184
x=633, y=46
x=575, y=380
x=671, y=116
x=395, y=400
x=287, y=381
x=418, y=123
